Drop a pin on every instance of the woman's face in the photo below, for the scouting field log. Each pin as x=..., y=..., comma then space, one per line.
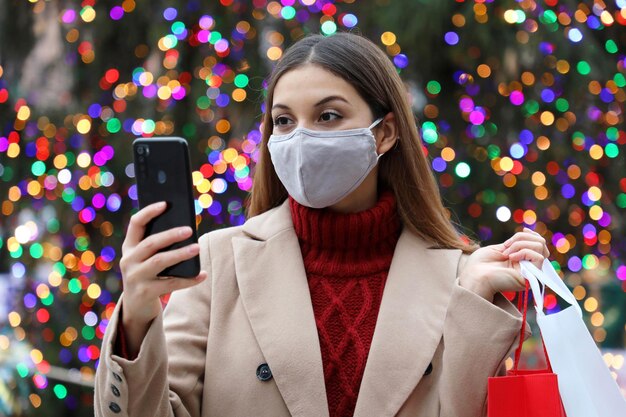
x=314, y=98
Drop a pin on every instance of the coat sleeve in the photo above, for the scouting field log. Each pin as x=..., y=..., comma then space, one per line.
x=166, y=377
x=478, y=337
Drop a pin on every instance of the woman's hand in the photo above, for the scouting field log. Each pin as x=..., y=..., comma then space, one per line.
x=495, y=268
x=140, y=264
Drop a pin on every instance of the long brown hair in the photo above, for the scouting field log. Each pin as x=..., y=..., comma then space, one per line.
x=405, y=170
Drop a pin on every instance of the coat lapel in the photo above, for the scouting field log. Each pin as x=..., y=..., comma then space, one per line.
x=409, y=326
x=275, y=293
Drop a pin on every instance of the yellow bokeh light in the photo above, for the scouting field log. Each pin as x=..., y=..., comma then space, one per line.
x=88, y=258
x=33, y=188
x=164, y=93
x=146, y=78
x=594, y=193
x=510, y=16
x=530, y=217
x=94, y=291
x=14, y=319
x=36, y=356
x=83, y=126
x=88, y=14
x=42, y=291
x=196, y=177
x=274, y=53
x=607, y=18
x=591, y=304
x=14, y=193
x=596, y=212
x=83, y=160
x=220, y=167
x=597, y=319
x=13, y=151
x=60, y=161
x=204, y=186
x=538, y=178
x=506, y=164
x=239, y=162
x=239, y=94
x=547, y=118
x=388, y=38
x=596, y=152
x=205, y=200
x=55, y=279
x=229, y=155
x=23, y=113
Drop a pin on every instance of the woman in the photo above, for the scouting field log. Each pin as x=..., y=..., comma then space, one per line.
x=347, y=292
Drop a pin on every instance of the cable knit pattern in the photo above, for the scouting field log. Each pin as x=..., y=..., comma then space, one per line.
x=346, y=258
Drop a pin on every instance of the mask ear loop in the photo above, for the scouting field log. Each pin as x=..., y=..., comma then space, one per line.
x=375, y=122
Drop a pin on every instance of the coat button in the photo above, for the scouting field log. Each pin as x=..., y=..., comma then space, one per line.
x=117, y=377
x=115, y=408
x=263, y=372
x=115, y=390
x=429, y=369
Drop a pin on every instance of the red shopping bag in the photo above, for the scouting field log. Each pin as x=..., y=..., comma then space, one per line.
x=524, y=392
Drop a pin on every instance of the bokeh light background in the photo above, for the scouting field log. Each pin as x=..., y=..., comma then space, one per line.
x=520, y=106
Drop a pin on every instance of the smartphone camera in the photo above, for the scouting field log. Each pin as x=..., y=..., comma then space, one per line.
x=143, y=151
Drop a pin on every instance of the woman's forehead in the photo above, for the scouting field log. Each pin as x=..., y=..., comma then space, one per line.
x=308, y=84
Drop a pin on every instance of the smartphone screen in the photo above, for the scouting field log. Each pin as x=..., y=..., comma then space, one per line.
x=163, y=173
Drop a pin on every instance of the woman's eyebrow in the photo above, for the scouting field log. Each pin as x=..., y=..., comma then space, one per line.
x=319, y=103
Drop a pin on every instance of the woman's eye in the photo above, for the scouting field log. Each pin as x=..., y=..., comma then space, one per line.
x=328, y=116
x=281, y=120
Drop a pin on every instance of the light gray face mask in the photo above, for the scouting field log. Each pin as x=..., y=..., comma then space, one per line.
x=319, y=168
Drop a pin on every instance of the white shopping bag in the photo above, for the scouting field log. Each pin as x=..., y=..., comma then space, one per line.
x=585, y=383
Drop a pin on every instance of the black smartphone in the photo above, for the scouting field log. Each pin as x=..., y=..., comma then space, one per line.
x=163, y=173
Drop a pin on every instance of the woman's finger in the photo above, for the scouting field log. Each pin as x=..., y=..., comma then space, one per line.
x=529, y=236
x=153, y=243
x=521, y=244
x=138, y=222
x=528, y=255
x=158, y=262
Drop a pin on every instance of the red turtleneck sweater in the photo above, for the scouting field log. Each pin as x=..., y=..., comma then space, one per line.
x=346, y=258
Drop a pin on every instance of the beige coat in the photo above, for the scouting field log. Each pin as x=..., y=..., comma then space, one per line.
x=200, y=357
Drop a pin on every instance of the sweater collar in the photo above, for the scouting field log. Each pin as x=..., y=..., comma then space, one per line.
x=325, y=229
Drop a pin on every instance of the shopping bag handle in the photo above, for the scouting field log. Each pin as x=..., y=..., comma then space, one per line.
x=549, y=278
x=524, y=310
